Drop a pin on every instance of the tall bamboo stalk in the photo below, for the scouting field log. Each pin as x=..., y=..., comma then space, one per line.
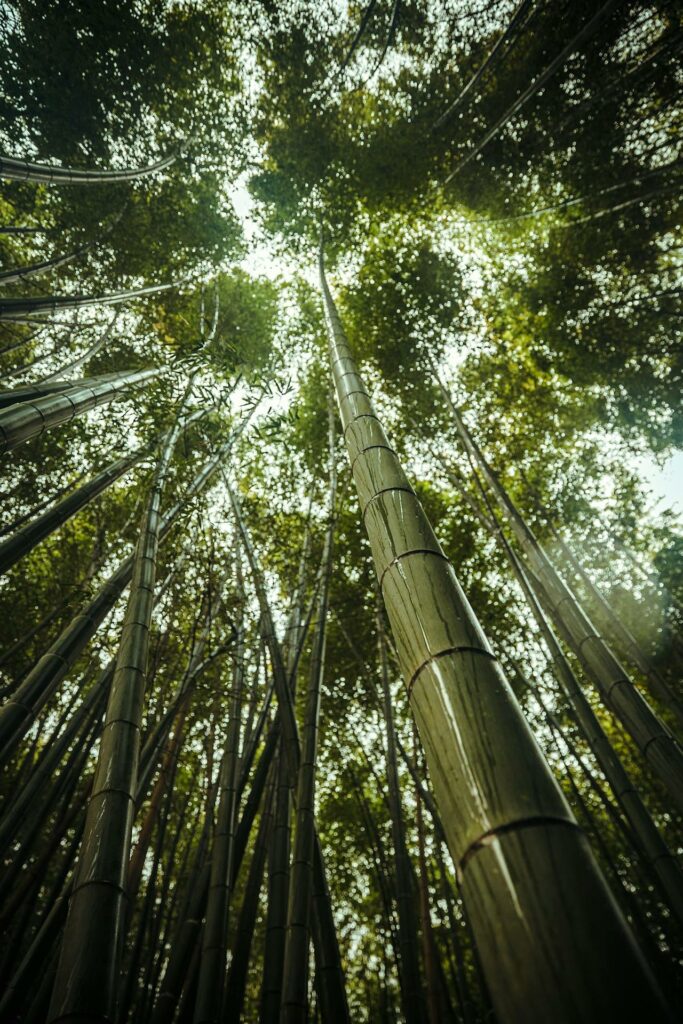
x=328, y=959
x=237, y=975
x=25, y=420
x=213, y=962
x=657, y=684
x=86, y=983
x=12, y=309
x=19, y=712
x=294, y=1004
x=617, y=690
x=409, y=963
x=651, y=843
x=518, y=849
x=25, y=539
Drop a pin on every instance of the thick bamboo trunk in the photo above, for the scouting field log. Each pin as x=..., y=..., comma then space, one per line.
x=25, y=420
x=650, y=843
x=517, y=847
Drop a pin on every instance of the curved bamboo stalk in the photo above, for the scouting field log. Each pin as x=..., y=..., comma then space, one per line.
x=24, y=170
x=11, y=309
x=517, y=847
x=43, y=266
x=74, y=364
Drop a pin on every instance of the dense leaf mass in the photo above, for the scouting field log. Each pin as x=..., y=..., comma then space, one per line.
x=225, y=795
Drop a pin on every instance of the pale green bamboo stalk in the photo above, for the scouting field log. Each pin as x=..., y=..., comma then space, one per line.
x=552, y=941
x=657, y=684
x=25, y=420
x=657, y=744
x=656, y=852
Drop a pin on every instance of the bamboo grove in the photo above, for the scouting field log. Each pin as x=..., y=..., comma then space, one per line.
x=341, y=600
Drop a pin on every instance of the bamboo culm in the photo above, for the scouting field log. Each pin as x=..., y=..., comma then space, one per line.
x=25, y=420
x=22, y=170
x=19, y=712
x=650, y=842
x=295, y=974
x=86, y=981
x=25, y=539
x=651, y=735
x=213, y=960
x=515, y=842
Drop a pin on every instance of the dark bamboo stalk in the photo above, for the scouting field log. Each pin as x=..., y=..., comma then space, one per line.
x=11, y=309
x=23, y=170
x=86, y=982
x=409, y=964
x=17, y=715
x=21, y=543
x=214, y=949
x=294, y=999
x=237, y=974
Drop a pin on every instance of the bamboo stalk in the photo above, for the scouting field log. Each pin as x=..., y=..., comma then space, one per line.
x=510, y=831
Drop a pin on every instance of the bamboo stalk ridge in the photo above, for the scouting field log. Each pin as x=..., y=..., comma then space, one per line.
x=516, y=844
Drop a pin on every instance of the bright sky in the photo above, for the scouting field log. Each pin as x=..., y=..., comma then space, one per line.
x=665, y=480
